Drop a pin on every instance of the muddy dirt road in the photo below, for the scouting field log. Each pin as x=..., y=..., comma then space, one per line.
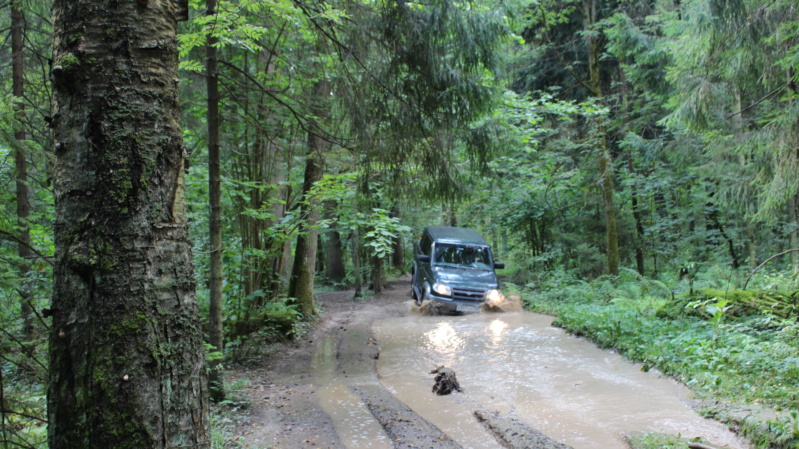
x=362, y=380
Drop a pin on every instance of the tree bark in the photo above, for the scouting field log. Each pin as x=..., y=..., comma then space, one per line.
x=215, y=332
x=356, y=262
x=398, y=254
x=605, y=159
x=793, y=201
x=378, y=274
x=301, y=283
x=127, y=365
x=334, y=253
x=21, y=167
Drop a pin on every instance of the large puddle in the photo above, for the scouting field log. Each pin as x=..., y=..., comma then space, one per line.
x=518, y=363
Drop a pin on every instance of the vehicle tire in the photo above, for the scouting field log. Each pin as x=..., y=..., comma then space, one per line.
x=420, y=299
x=413, y=282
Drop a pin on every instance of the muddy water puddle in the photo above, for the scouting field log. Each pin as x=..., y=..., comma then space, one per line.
x=518, y=364
x=354, y=424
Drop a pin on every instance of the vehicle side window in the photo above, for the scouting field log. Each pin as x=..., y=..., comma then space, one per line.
x=426, y=244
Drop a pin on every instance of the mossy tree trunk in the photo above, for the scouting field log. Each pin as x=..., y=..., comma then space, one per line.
x=605, y=160
x=21, y=167
x=215, y=334
x=301, y=282
x=127, y=366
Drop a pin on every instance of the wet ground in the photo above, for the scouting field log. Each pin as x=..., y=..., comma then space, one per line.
x=363, y=380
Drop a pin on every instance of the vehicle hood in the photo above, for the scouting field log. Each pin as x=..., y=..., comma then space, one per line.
x=466, y=277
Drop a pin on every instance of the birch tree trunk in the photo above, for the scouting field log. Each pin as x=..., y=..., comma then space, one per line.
x=127, y=366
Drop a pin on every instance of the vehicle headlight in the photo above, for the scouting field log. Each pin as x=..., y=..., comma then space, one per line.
x=443, y=290
x=494, y=296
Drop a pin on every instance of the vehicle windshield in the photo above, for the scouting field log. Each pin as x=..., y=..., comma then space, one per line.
x=462, y=256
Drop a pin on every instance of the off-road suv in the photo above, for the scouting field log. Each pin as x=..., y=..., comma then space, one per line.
x=454, y=268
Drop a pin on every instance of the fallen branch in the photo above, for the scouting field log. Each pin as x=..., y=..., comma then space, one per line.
x=765, y=262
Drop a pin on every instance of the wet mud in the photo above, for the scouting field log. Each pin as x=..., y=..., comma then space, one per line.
x=363, y=380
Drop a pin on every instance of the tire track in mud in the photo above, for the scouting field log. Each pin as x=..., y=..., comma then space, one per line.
x=356, y=358
x=287, y=409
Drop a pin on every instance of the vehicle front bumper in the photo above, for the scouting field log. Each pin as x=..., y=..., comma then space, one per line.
x=449, y=304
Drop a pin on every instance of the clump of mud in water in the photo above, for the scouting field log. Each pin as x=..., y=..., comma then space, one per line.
x=510, y=303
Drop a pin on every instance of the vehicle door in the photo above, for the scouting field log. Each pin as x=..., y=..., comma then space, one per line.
x=422, y=269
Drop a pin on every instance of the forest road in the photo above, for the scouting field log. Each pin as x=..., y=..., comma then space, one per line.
x=362, y=380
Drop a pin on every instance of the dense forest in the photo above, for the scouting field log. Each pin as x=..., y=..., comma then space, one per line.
x=637, y=154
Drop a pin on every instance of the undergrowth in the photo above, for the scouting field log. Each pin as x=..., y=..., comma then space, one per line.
x=716, y=340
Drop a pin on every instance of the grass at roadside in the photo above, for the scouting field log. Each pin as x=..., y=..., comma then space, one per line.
x=745, y=360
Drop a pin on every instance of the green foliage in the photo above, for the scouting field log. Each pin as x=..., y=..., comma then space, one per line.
x=660, y=441
x=722, y=345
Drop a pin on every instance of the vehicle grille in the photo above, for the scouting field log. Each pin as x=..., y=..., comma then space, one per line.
x=468, y=294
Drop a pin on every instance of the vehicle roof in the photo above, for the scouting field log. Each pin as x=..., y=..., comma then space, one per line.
x=450, y=233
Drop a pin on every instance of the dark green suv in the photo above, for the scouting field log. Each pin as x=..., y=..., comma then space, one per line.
x=454, y=268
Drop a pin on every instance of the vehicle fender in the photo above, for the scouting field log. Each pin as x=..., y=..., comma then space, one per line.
x=426, y=287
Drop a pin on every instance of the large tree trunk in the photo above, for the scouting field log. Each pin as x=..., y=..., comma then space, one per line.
x=127, y=366
x=301, y=283
x=605, y=160
x=21, y=166
x=215, y=333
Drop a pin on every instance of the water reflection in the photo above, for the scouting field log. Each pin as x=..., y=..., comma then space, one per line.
x=518, y=363
x=444, y=339
x=497, y=329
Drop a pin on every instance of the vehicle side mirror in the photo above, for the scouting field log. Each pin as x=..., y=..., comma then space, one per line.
x=499, y=265
x=424, y=258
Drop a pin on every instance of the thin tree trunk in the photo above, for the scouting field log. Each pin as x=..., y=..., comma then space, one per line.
x=793, y=202
x=356, y=262
x=378, y=274
x=398, y=255
x=794, y=237
x=334, y=253
x=637, y=216
x=605, y=159
x=215, y=333
x=126, y=357
x=21, y=166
